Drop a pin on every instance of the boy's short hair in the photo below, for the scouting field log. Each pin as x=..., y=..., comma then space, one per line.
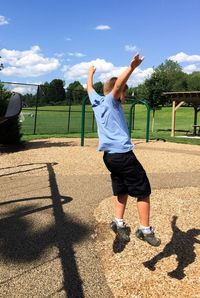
x=108, y=86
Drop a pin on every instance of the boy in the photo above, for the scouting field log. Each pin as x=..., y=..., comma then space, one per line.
x=127, y=174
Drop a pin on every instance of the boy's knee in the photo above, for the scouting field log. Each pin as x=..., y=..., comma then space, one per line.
x=144, y=199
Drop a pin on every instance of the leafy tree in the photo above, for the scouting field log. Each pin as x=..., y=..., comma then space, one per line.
x=193, y=81
x=98, y=86
x=166, y=77
x=56, y=91
x=139, y=92
x=52, y=93
x=75, y=93
x=4, y=95
x=45, y=96
x=29, y=100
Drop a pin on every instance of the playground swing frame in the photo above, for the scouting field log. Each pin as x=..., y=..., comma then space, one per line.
x=132, y=112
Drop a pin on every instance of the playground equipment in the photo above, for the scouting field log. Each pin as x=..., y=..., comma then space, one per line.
x=13, y=109
x=132, y=113
x=131, y=117
x=178, y=99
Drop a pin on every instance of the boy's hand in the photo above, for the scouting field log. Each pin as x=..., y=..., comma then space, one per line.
x=136, y=61
x=91, y=70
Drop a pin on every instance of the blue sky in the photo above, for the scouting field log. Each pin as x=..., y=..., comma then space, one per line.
x=42, y=40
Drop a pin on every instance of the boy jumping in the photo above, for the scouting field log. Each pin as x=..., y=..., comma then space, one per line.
x=127, y=174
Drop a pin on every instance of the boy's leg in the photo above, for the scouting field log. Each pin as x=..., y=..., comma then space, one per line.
x=143, y=206
x=118, y=225
x=120, y=205
x=145, y=232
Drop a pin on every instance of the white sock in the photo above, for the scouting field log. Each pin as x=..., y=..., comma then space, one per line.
x=146, y=230
x=120, y=222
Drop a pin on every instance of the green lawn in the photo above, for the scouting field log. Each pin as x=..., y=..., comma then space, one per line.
x=57, y=121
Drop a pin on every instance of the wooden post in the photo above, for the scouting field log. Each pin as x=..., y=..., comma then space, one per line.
x=174, y=108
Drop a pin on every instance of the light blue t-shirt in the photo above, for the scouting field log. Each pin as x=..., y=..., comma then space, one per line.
x=111, y=123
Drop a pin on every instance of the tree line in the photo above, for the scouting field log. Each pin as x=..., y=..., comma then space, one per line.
x=167, y=77
x=55, y=93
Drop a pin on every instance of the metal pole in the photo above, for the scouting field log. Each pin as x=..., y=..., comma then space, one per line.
x=145, y=102
x=36, y=109
x=83, y=120
x=130, y=117
x=141, y=101
x=133, y=122
x=148, y=122
x=69, y=114
x=92, y=121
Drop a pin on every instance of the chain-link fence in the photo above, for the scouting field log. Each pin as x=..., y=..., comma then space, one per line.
x=48, y=110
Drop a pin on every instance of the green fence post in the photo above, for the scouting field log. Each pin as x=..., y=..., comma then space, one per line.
x=83, y=120
x=148, y=123
x=69, y=115
x=92, y=121
x=130, y=118
x=145, y=102
x=36, y=109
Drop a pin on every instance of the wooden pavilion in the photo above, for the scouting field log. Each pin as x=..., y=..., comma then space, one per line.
x=178, y=99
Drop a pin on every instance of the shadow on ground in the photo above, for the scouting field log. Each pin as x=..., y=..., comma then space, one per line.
x=23, y=146
x=20, y=243
x=120, y=244
x=181, y=245
x=23, y=168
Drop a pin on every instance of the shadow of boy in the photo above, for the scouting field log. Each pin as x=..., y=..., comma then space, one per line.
x=182, y=245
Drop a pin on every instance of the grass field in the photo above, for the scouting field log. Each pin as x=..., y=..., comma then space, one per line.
x=58, y=121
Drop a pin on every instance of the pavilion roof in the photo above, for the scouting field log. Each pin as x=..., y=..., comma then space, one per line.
x=187, y=96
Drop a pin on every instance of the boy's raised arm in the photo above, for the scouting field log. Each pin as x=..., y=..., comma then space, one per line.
x=123, y=78
x=91, y=72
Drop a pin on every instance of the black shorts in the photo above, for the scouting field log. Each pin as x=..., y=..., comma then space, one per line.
x=127, y=174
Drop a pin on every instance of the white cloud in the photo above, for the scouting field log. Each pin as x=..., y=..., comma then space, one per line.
x=25, y=89
x=59, y=55
x=130, y=48
x=182, y=57
x=67, y=38
x=28, y=87
x=190, y=63
x=104, y=71
x=3, y=21
x=30, y=63
x=190, y=68
x=76, y=54
x=102, y=27
x=139, y=76
x=79, y=71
